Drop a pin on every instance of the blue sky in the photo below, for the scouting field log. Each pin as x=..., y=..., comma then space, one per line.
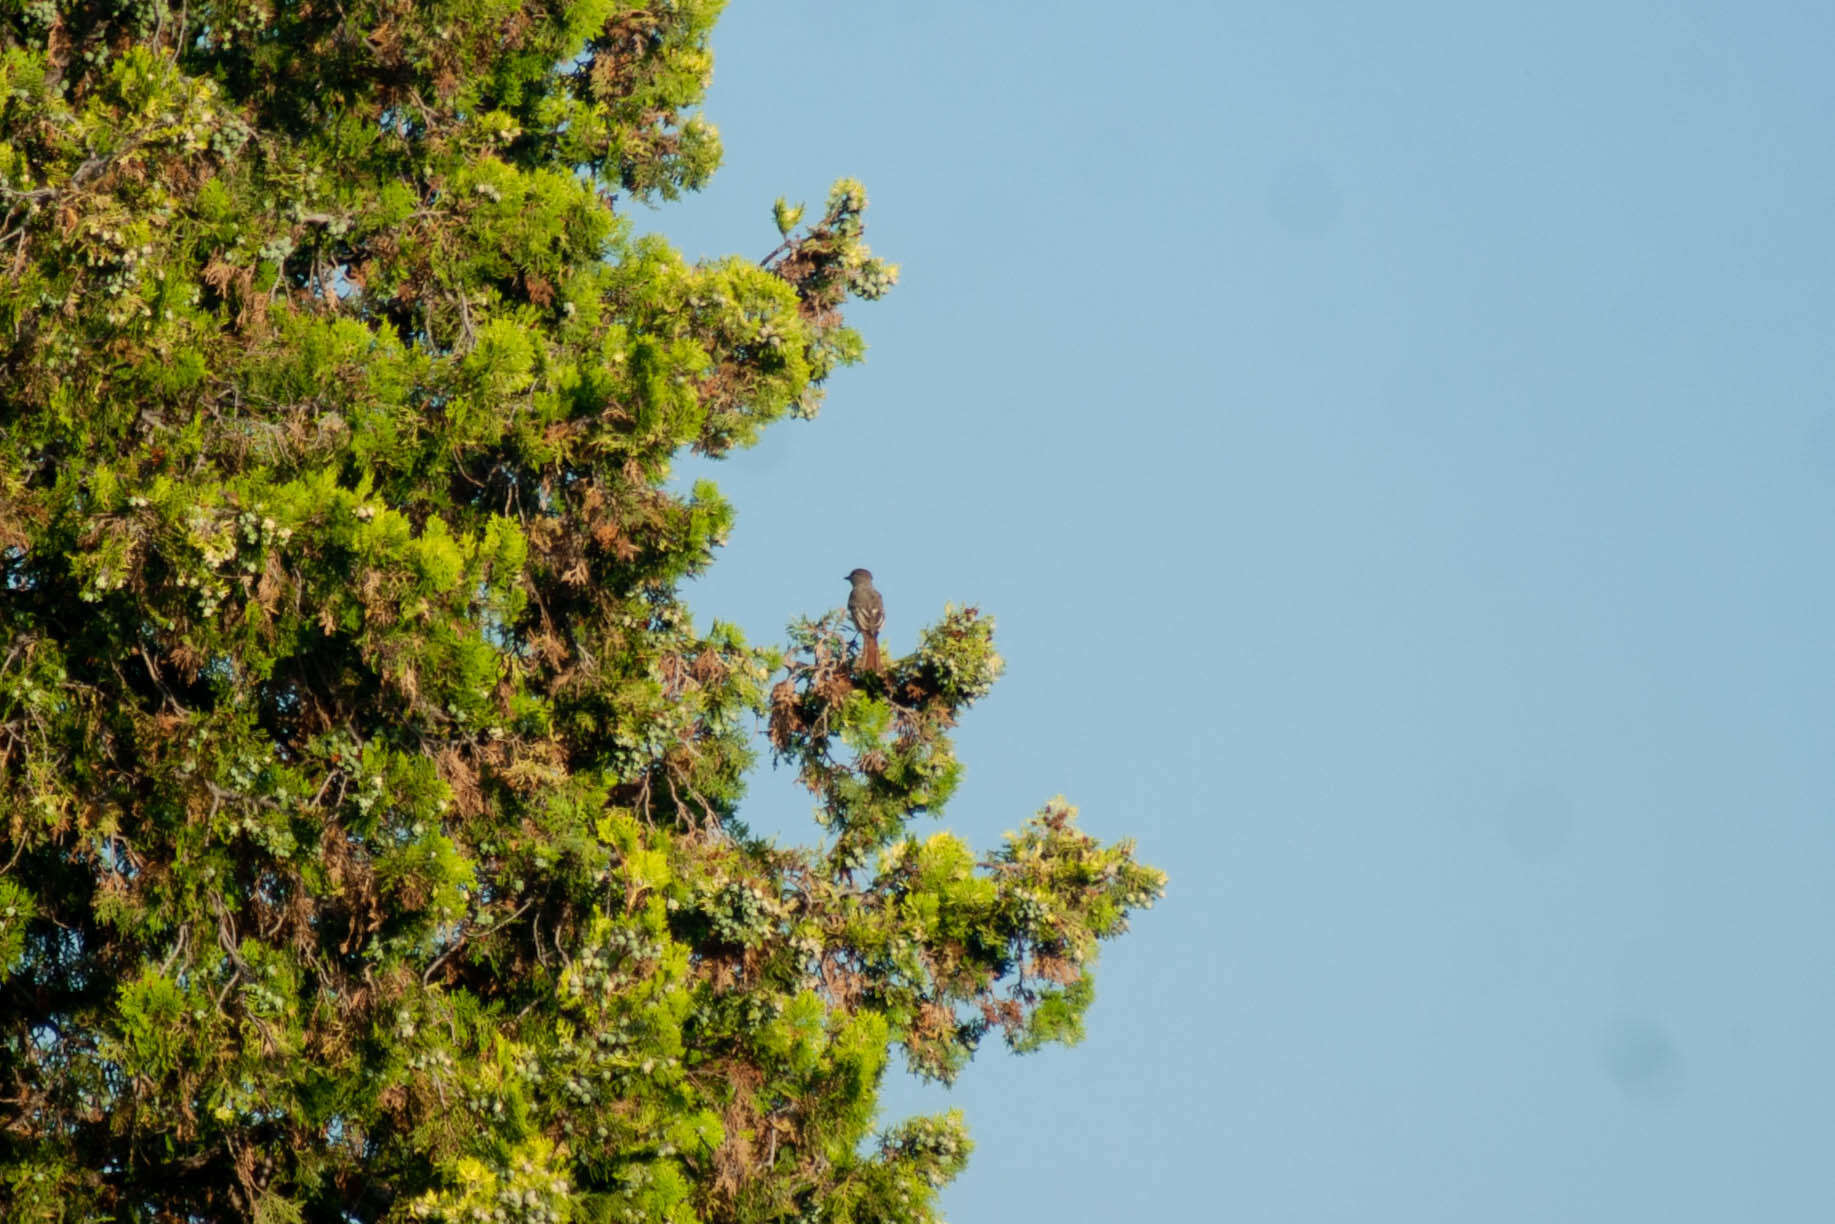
x=1396, y=443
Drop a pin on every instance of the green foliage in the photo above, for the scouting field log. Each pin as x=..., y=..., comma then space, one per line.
x=370, y=846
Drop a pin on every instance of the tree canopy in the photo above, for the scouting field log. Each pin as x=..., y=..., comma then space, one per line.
x=370, y=833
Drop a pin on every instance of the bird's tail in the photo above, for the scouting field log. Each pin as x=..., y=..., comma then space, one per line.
x=869, y=652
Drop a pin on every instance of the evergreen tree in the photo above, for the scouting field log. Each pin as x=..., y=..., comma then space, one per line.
x=369, y=834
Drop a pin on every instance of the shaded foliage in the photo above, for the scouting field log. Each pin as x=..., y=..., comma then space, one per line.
x=370, y=846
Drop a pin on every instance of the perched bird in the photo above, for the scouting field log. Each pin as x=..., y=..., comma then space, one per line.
x=868, y=612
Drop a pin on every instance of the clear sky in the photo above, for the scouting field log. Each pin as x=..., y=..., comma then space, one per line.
x=1396, y=443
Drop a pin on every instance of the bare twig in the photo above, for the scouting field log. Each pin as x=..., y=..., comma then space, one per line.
x=465, y=937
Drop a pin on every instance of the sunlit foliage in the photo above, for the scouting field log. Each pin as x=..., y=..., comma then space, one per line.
x=370, y=839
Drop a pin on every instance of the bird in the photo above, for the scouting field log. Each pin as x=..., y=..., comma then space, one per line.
x=868, y=612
